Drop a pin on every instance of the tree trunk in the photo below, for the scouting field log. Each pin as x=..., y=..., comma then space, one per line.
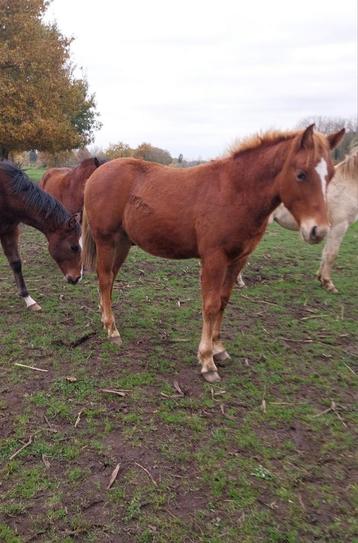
x=4, y=153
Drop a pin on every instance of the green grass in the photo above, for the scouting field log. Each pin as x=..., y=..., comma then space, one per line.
x=35, y=173
x=261, y=457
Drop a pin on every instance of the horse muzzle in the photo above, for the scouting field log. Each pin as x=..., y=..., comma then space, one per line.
x=73, y=280
x=313, y=233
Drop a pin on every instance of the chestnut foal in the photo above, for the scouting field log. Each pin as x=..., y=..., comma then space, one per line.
x=67, y=184
x=217, y=212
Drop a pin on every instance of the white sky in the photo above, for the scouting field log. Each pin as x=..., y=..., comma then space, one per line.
x=192, y=76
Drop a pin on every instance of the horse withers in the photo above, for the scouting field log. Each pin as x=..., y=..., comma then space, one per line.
x=21, y=201
x=342, y=205
x=67, y=184
x=216, y=212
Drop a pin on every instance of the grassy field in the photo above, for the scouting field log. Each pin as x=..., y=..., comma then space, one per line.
x=265, y=456
x=35, y=173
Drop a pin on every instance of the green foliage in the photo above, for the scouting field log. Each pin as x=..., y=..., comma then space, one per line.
x=7, y=535
x=44, y=106
x=145, y=151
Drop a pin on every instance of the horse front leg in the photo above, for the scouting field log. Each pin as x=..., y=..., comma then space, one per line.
x=232, y=273
x=329, y=254
x=212, y=278
x=9, y=242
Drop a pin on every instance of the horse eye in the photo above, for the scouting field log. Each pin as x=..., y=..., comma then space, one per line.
x=75, y=248
x=301, y=176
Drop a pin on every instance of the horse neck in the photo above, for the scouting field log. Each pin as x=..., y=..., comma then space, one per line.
x=347, y=171
x=39, y=220
x=79, y=178
x=255, y=173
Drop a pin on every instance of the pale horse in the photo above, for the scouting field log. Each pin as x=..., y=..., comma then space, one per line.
x=342, y=204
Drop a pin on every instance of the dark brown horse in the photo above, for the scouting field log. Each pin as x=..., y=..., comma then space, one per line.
x=217, y=212
x=67, y=184
x=23, y=201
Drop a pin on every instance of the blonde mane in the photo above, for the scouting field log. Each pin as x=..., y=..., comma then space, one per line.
x=349, y=165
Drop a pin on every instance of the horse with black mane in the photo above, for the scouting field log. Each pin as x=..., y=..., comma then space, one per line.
x=22, y=201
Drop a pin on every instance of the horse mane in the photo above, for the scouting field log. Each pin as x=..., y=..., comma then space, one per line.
x=34, y=197
x=263, y=139
x=349, y=165
x=260, y=139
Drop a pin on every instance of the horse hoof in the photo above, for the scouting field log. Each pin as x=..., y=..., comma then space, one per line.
x=35, y=307
x=332, y=288
x=220, y=358
x=117, y=340
x=211, y=376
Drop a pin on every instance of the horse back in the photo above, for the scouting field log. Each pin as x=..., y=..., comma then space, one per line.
x=157, y=206
x=52, y=177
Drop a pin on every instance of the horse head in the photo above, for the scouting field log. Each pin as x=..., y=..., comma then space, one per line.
x=304, y=178
x=64, y=247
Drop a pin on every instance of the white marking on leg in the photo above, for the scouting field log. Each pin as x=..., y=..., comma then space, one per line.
x=29, y=301
x=80, y=242
x=322, y=171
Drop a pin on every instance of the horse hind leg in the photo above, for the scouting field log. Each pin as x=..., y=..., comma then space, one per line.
x=240, y=282
x=9, y=242
x=329, y=254
x=111, y=253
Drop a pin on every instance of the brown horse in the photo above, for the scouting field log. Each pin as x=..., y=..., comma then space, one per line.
x=23, y=201
x=217, y=212
x=67, y=184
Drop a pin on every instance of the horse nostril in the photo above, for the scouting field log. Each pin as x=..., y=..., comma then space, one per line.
x=72, y=280
x=313, y=234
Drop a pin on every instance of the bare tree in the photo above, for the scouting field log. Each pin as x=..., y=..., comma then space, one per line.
x=332, y=124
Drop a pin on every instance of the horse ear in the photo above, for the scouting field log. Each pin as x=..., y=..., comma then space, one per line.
x=334, y=139
x=71, y=222
x=96, y=161
x=306, y=139
x=78, y=216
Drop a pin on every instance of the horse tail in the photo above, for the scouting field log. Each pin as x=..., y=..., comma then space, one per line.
x=88, y=245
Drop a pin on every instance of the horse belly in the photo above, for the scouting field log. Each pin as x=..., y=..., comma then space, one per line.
x=158, y=233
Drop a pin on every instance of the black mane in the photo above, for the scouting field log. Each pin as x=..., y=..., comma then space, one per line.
x=34, y=197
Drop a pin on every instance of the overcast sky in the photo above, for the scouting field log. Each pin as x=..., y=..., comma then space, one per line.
x=192, y=76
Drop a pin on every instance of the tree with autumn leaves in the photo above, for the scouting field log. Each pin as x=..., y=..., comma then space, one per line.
x=42, y=104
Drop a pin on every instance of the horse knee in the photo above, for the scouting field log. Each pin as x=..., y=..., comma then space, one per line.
x=16, y=266
x=224, y=302
x=212, y=307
